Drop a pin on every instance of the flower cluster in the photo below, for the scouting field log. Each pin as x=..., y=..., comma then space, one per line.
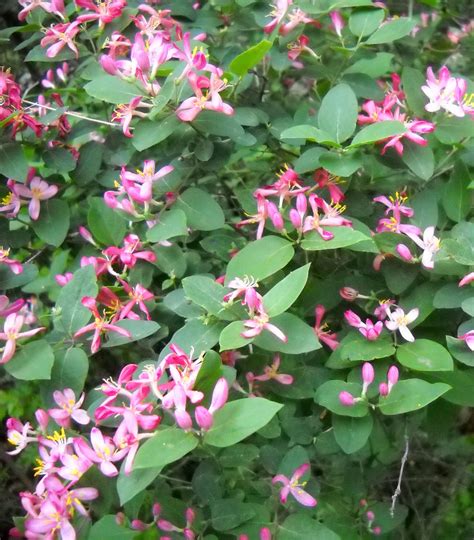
x=368, y=375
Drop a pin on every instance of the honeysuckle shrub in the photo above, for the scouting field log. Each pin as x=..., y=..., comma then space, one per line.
x=236, y=269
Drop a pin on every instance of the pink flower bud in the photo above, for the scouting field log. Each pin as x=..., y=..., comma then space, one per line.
x=86, y=235
x=377, y=531
x=346, y=399
x=203, y=417
x=337, y=21
x=392, y=377
x=188, y=534
x=378, y=260
x=165, y=525
x=368, y=373
x=138, y=525
x=42, y=418
x=190, y=516
x=383, y=389
x=295, y=219
x=301, y=203
x=108, y=64
x=265, y=534
x=275, y=216
x=370, y=515
x=243, y=537
x=156, y=510
x=219, y=395
x=348, y=293
x=183, y=419
x=352, y=318
x=404, y=252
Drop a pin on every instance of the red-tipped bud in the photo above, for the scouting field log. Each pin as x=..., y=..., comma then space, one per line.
x=203, y=418
x=188, y=534
x=370, y=515
x=404, y=252
x=368, y=373
x=348, y=293
x=346, y=399
x=383, y=389
x=378, y=260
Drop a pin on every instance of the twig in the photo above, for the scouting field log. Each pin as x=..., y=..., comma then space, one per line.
x=71, y=113
x=398, y=490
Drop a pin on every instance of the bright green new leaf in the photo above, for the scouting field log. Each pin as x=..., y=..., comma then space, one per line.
x=231, y=337
x=166, y=446
x=205, y=292
x=343, y=237
x=411, y=395
x=284, y=294
x=239, y=419
x=338, y=113
x=378, y=132
x=250, y=58
x=306, y=132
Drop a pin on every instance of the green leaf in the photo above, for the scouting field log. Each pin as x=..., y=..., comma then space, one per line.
x=260, y=259
x=134, y=483
x=72, y=315
x=147, y=134
x=364, y=22
x=411, y=395
x=112, y=89
x=391, y=31
x=424, y=355
x=229, y=513
x=9, y=280
x=458, y=198
x=202, y=337
x=219, y=124
x=32, y=362
x=89, y=163
x=338, y=113
x=52, y=225
x=461, y=383
x=69, y=370
x=452, y=130
x=301, y=337
x=205, y=292
x=420, y=160
x=340, y=164
x=231, y=337
x=451, y=296
x=139, y=330
x=460, y=351
x=107, y=527
x=375, y=66
x=239, y=419
x=412, y=81
x=378, y=132
x=306, y=132
x=59, y=160
x=327, y=395
x=169, y=225
x=355, y=347
x=202, y=211
x=105, y=224
x=284, y=294
x=343, y=237
x=13, y=163
x=166, y=446
x=248, y=59
x=351, y=434
x=302, y=527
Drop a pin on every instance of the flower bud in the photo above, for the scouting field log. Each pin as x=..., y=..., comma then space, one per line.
x=404, y=252
x=352, y=318
x=392, y=377
x=370, y=515
x=383, y=389
x=86, y=235
x=295, y=219
x=219, y=395
x=368, y=373
x=165, y=525
x=348, y=293
x=378, y=260
x=190, y=516
x=346, y=399
x=156, y=510
x=363, y=502
x=301, y=203
x=203, y=417
x=42, y=418
x=183, y=419
x=265, y=534
x=377, y=531
x=188, y=534
x=138, y=525
x=120, y=518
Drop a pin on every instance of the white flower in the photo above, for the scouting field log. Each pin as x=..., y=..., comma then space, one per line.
x=399, y=320
x=429, y=244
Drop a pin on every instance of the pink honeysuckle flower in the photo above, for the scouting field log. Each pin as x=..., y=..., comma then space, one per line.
x=104, y=11
x=211, y=100
x=103, y=452
x=244, y=288
x=396, y=205
x=7, y=308
x=298, y=47
x=139, y=185
x=298, y=214
x=63, y=279
x=53, y=518
x=295, y=18
x=55, y=7
x=205, y=417
x=99, y=326
x=124, y=113
x=278, y=13
x=374, y=112
x=285, y=187
x=368, y=376
x=294, y=487
x=337, y=22
x=468, y=338
x=271, y=373
x=73, y=467
x=11, y=332
x=58, y=36
x=265, y=209
x=195, y=58
x=392, y=377
x=11, y=203
x=331, y=217
x=325, y=180
x=368, y=329
x=412, y=133
x=37, y=190
x=15, y=266
x=138, y=296
x=392, y=224
x=69, y=408
x=129, y=254
x=19, y=435
x=446, y=92
x=468, y=278
x=430, y=245
x=321, y=329
x=259, y=322
x=399, y=320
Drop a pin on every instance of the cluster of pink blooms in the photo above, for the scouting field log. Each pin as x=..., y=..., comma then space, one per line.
x=390, y=108
x=448, y=93
x=259, y=319
x=370, y=517
x=32, y=192
x=392, y=222
x=289, y=187
x=368, y=376
x=134, y=194
x=282, y=11
x=17, y=315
